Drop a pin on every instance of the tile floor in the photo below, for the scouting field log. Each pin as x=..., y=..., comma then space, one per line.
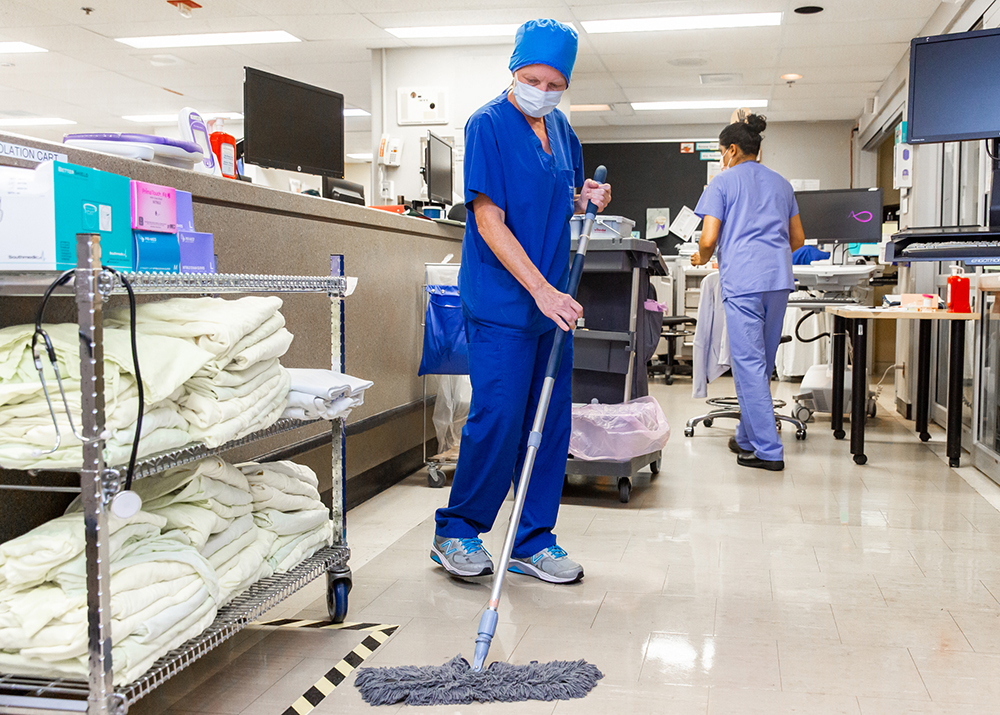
x=827, y=589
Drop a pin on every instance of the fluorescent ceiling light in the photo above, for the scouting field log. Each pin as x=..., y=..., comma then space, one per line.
x=209, y=39
x=34, y=122
x=361, y=157
x=590, y=107
x=693, y=22
x=700, y=104
x=172, y=118
x=18, y=47
x=356, y=112
x=791, y=77
x=452, y=31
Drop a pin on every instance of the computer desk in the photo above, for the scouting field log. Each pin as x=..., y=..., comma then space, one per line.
x=857, y=321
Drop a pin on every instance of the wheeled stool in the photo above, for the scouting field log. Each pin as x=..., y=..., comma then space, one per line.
x=729, y=407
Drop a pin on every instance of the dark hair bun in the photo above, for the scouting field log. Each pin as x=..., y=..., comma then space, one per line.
x=756, y=123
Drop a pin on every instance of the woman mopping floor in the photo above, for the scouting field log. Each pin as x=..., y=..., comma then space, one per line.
x=523, y=166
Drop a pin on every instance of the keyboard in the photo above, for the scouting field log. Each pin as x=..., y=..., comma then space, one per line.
x=950, y=250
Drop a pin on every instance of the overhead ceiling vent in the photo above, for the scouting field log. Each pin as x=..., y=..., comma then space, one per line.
x=688, y=62
x=722, y=78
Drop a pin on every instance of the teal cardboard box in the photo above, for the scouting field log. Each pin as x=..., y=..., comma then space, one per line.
x=157, y=252
x=89, y=201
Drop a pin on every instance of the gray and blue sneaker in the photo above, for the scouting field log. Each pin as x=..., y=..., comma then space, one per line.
x=461, y=557
x=551, y=564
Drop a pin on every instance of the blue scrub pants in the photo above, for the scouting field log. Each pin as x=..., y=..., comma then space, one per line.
x=507, y=369
x=754, y=323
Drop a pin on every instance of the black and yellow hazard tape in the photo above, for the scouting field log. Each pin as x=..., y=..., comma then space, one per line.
x=324, y=625
x=377, y=635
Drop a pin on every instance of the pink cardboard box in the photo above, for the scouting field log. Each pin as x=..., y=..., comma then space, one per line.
x=154, y=207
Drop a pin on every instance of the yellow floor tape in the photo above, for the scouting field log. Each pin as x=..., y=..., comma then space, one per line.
x=378, y=634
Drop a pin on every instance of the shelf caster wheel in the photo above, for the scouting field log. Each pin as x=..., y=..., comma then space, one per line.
x=860, y=459
x=624, y=490
x=436, y=477
x=802, y=413
x=338, y=586
x=800, y=435
x=669, y=380
x=689, y=431
x=955, y=463
x=654, y=468
x=871, y=408
x=839, y=434
x=709, y=422
x=925, y=437
x=777, y=425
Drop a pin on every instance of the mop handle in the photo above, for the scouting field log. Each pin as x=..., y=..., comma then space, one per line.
x=575, y=273
x=488, y=621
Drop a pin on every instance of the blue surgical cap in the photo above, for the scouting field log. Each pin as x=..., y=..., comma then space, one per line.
x=545, y=42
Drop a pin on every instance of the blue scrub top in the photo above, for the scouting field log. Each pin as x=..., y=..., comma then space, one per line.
x=504, y=160
x=754, y=204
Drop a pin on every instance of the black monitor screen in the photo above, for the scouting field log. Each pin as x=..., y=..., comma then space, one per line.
x=440, y=182
x=293, y=126
x=954, y=87
x=842, y=216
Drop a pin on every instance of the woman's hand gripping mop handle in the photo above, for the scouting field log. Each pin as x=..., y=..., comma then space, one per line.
x=488, y=623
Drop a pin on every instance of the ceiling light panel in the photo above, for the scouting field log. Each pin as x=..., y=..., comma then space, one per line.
x=10, y=48
x=691, y=22
x=34, y=121
x=452, y=31
x=356, y=112
x=590, y=108
x=699, y=104
x=210, y=39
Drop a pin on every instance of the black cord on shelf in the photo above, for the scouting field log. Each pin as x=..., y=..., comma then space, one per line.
x=133, y=334
x=799, y=325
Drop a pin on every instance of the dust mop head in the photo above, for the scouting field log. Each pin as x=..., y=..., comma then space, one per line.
x=455, y=683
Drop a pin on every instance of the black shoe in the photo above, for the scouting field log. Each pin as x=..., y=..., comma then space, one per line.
x=735, y=447
x=752, y=460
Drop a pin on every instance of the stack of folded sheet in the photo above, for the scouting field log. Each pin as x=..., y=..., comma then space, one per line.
x=163, y=593
x=324, y=394
x=26, y=428
x=241, y=388
x=286, y=503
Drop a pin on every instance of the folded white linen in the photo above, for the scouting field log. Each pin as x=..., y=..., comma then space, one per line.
x=214, y=324
x=206, y=383
x=293, y=523
x=271, y=347
x=171, y=361
x=245, y=568
x=203, y=412
x=223, y=538
x=286, y=467
x=267, y=497
x=288, y=551
x=251, y=536
x=204, y=389
x=257, y=417
x=327, y=384
x=195, y=521
x=304, y=406
x=265, y=330
x=70, y=457
x=29, y=559
x=210, y=478
x=276, y=475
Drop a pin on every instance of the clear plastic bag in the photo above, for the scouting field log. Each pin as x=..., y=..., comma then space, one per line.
x=618, y=432
x=451, y=410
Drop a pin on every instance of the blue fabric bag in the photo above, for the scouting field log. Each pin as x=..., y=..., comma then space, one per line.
x=446, y=351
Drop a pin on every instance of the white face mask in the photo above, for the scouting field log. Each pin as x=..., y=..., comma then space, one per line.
x=722, y=162
x=533, y=101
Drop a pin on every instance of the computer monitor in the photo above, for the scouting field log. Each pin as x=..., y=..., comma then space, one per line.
x=291, y=125
x=954, y=92
x=439, y=170
x=841, y=215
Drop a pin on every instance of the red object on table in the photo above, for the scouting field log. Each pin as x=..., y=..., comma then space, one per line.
x=958, y=293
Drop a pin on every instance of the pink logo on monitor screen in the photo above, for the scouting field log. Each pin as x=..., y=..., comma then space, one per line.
x=862, y=216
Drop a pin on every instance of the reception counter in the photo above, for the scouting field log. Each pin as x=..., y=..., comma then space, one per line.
x=263, y=230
